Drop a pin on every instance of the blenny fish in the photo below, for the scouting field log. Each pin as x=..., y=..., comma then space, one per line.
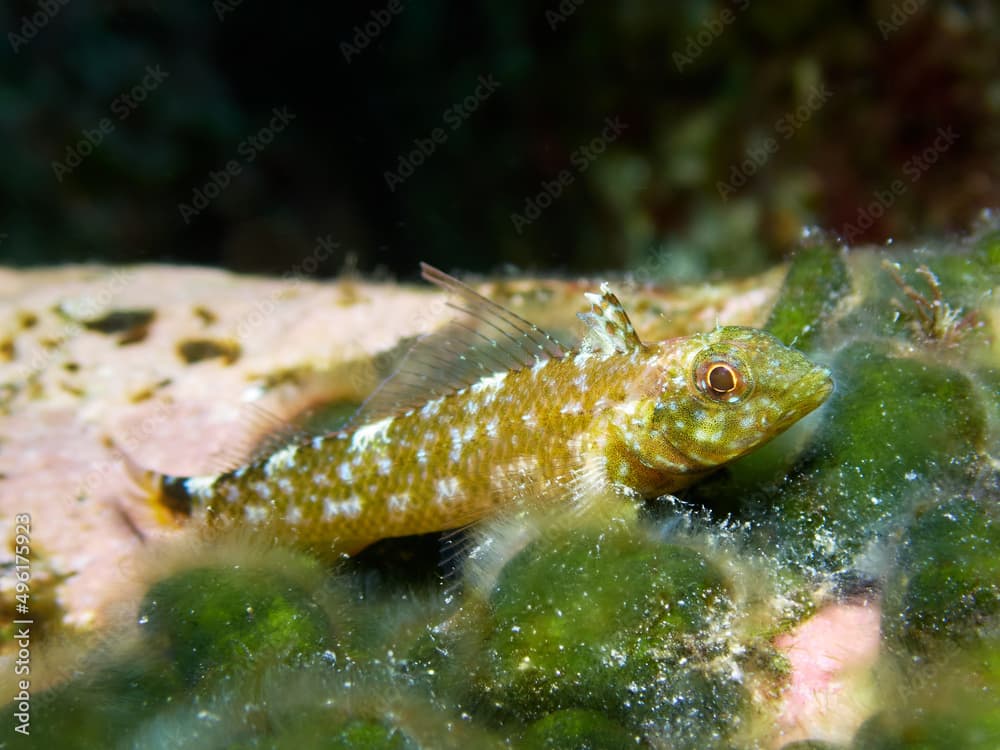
x=491, y=412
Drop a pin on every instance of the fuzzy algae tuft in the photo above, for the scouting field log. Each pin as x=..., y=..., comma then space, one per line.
x=616, y=623
x=229, y=619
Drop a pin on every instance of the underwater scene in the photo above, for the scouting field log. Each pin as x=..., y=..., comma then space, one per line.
x=560, y=374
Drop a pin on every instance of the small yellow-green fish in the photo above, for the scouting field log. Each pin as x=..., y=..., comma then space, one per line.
x=492, y=412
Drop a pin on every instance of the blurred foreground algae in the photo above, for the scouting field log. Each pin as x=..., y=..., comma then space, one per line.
x=649, y=632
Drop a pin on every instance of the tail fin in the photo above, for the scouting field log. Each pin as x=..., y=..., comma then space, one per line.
x=169, y=495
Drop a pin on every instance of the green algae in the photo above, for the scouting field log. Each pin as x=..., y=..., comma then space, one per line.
x=895, y=427
x=232, y=619
x=358, y=735
x=957, y=706
x=611, y=622
x=355, y=734
x=946, y=584
x=987, y=252
x=576, y=727
x=111, y=701
x=817, y=279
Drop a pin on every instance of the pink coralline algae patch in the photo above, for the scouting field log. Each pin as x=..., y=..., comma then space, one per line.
x=831, y=657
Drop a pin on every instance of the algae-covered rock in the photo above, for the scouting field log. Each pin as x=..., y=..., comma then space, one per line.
x=816, y=281
x=576, y=727
x=895, y=428
x=84, y=712
x=229, y=619
x=954, y=706
x=946, y=585
x=357, y=734
x=613, y=622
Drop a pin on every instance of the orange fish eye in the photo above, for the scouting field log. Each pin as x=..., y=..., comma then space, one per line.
x=720, y=380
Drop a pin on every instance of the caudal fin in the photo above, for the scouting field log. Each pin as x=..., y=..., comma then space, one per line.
x=168, y=495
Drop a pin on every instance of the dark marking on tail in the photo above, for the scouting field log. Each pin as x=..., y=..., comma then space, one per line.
x=174, y=494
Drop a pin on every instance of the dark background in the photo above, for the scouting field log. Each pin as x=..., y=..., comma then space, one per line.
x=650, y=200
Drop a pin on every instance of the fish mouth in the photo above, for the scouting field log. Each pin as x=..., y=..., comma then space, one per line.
x=807, y=393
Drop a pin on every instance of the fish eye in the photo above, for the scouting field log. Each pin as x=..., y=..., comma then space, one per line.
x=721, y=379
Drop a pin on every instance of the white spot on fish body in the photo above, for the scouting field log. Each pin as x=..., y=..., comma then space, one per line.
x=498, y=479
x=398, y=503
x=282, y=459
x=528, y=418
x=348, y=508
x=446, y=489
x=364, y=436
x=470, y=432
x=421, y=456
x=262, y=490
x=526, y=465
x=431, y=408
x=255, y=513
x=201, y=486
x=317, y=442
x=320, y=479
x=293, y=515
x=493, y=382
x=491, y=427
x=629, y=407
x=384, y=466
x=538, y=366
x=704, y=435
x=285, y=485
x=344, y=472
x=573, y=407
x=456, y=444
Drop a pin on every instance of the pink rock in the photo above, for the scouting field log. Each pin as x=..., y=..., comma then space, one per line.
x=831, y=656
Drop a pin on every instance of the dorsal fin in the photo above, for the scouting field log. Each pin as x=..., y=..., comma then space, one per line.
x=261, y=433
x=483, y=338
x=610, y=330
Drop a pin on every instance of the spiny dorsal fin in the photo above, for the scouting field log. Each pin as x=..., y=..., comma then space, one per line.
x=610, y=329
x=483, y=338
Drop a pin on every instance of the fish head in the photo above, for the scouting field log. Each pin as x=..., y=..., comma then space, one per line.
x=719, y=395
